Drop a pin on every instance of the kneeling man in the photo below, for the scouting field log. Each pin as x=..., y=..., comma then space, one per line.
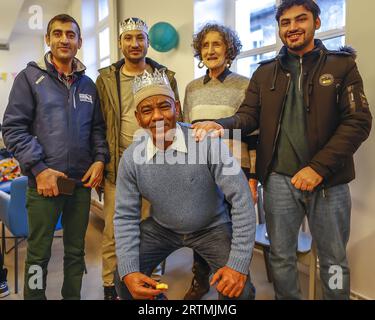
x=199, y=199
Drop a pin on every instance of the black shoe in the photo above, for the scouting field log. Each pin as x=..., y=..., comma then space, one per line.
x=197, y=289
x=4, y=290
x=110, y=293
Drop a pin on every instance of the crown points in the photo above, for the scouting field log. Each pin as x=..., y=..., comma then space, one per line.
x=157, y=78
x=130, y=24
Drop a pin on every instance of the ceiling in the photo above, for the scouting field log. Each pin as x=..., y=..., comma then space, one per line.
x=15, y=16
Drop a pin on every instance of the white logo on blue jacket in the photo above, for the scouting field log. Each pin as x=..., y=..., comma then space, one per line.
x=83, y=97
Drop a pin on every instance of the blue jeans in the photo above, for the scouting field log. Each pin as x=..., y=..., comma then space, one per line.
x=157, y=243
x=328, y=214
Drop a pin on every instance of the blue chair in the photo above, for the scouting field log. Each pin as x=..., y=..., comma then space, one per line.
x=13, y=215
x=306, y=251
x=5, y=186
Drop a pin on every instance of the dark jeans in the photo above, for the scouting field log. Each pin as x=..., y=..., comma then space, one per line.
x=201, y=269
x=328, y=214
x=2, y=272
x=43, y=214
x=157, y=243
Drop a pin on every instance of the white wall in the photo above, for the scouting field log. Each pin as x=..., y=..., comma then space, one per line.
x=361, y=249
x=75, y=10
x=22, y=49
x=25, y=44
x=219, y=11
x=179, y=14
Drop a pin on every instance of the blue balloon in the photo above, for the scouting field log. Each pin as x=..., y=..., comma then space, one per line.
x=163, y=37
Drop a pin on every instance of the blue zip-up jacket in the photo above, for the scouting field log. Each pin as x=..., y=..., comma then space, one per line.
x=48, y=125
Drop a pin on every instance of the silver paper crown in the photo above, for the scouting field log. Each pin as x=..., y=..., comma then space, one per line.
x=133, y=25
x=157, y=78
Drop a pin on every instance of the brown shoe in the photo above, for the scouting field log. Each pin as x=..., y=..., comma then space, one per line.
x=197, y=289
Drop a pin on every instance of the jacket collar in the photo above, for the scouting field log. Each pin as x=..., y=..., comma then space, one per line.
x=221, y=77
x=318, y=46
x=47, y=65
x=309, y=59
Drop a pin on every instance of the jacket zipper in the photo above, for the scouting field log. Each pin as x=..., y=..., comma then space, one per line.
x=118, y=122
x=68, y=113
x=337, y=93
x=300, y=75
x=279, y=123
x=74, y=98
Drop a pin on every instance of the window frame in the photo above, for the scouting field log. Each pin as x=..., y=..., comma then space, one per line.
x=101, y=25
x=92, y=31
x=326, y=35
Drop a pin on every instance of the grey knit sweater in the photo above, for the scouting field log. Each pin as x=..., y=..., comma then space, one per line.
x=216, y=98
x=185, y=198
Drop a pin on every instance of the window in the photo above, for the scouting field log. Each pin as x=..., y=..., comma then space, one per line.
x=332, y=14
x=332, y=31
x=103, y=10
x=100, y=35
x=248, y=65
x=256, y=25
x=104, y=49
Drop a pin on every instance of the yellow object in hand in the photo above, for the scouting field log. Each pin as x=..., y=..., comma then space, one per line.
x=161, y=286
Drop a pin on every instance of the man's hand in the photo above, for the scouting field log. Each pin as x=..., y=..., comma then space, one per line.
x=200, y=130
x=141, y=286
x=230, y=282
x=95, y=174
x=306, y=179
x=253, y=184
x=46, y=182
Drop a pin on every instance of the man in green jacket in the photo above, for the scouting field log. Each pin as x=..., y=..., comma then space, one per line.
x=312, y=114
x=116, y=96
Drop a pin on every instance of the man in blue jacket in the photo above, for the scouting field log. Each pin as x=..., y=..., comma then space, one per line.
x=54, y=127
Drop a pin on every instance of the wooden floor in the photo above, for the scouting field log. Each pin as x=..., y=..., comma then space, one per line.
x=178, y=270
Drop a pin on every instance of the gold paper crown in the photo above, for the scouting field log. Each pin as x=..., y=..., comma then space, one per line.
x=130, y=24
x=157, y=78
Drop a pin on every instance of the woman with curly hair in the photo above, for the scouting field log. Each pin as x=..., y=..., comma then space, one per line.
x=216, y=95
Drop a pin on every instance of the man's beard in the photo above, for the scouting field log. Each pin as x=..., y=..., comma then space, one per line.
x=135, y=60
x=299, y=46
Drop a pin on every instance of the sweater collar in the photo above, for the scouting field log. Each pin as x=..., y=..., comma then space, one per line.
x=178, y=144
x=221, y=77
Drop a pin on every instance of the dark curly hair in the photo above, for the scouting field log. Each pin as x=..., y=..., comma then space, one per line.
x=230, y=37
